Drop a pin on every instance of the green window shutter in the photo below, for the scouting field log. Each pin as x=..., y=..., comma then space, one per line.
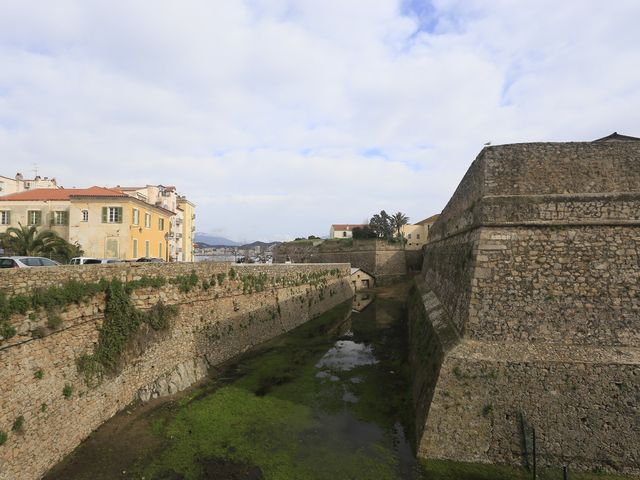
x=38, y=218
x=104, y=214
x=8, y=217
x=52, y=220
x=119, y=214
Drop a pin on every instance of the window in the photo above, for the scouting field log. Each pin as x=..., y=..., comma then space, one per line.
x=135, y=215
x=146, y=248
x=5, y=217
x=344, y=234
x=161, y=224
x=111, y=214
x=418, y=236
x=160, y=250
x=409, y=236
x=85, y=215
x=147, y=220
x=135, y=248
x=60, y=218
x=34, y=217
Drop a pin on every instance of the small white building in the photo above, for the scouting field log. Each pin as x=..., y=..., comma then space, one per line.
x=344, y=230
x=362, y=280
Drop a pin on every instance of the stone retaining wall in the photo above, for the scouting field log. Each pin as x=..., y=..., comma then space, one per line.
x=388, y=263
x=212, y=325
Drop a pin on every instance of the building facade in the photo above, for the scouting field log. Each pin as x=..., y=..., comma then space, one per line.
x=187, y=222
x=417, y=235
x=106, y=223
x=179, y=243
x=361, y=280
x=343, y=230
x=20, y=184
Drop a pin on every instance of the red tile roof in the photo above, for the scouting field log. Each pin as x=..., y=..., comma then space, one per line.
x=62, y=194
x=347, y=226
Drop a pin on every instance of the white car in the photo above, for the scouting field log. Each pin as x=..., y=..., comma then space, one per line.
x=89, y=260
x=26, y=262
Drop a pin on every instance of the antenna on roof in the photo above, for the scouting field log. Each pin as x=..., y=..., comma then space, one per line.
x=35, y=170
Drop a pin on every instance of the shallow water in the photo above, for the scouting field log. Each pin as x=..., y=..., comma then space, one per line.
x=325, y=401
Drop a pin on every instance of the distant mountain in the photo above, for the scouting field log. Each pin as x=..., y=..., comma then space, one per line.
x=217, y=241
x=262, y=245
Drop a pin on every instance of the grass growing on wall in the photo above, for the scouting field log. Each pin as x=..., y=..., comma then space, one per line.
x=121, y=321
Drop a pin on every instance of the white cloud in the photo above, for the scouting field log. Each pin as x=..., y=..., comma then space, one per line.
x=279, y=117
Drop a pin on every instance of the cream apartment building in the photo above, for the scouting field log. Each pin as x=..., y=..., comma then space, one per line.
x=417, y=235
x=20, y=184
x=106, y=223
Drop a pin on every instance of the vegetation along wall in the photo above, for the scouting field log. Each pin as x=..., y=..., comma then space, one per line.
x=77, y=344
x=527, y=312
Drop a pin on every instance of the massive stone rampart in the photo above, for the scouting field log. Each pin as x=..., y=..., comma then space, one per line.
x=223, y=310
x=527, y=312
x=387, y=262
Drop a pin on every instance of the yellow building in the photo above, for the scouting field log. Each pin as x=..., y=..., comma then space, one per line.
x=106, y=223
x=182, y=228
x=417, y=235
x=188, y=232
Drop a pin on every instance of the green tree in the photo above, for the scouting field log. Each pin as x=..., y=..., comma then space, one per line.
x=399, y=220
x=28, y=241
x=363, y=232
x=382, y=225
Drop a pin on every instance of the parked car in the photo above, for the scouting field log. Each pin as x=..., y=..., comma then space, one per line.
x=26, y=262
x=84, y=260
x=150, y=259
x=90, y=260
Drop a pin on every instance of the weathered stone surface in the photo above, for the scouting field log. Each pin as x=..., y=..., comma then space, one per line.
x=387, y=262
x=213, y=325
x=535, y=265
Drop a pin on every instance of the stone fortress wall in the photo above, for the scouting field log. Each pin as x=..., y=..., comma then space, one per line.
x=213, y=324
x=527, y=312
x=388, y=263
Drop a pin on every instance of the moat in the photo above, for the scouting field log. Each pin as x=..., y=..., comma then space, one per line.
x=328, y=400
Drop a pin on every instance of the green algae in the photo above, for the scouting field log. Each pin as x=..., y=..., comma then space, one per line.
x=280, y=415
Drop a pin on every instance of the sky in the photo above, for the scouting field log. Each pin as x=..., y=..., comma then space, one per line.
x=278, y=118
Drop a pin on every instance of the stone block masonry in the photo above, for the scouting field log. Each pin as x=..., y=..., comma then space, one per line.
x=223, y=310
x=388, y=263
x=527, y=312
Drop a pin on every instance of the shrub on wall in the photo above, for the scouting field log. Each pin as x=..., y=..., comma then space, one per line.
x=18, y=424
x=121, y=321
x=67, y=391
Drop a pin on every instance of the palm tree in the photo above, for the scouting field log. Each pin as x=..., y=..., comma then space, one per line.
x=399, y=220
x=28, y=241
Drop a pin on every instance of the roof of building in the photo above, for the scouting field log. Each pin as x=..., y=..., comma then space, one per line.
x=430, y=219
x=44, y=194
x=616, y=137
x=347, y=226
x=358, y=269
